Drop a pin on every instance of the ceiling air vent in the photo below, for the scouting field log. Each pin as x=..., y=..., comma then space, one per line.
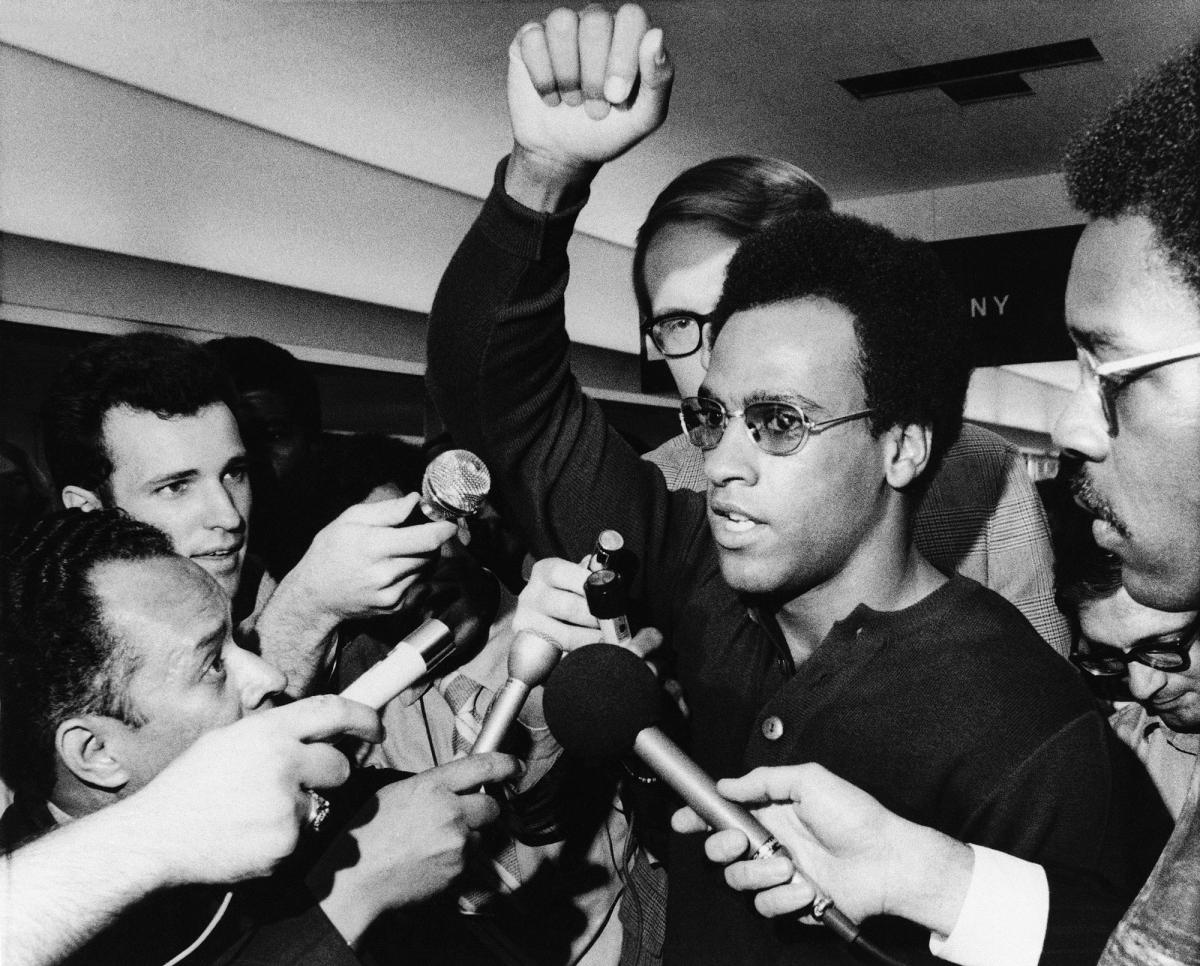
x=973, y=80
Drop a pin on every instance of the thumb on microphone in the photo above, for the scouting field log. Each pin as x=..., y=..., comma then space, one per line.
x=645, y=642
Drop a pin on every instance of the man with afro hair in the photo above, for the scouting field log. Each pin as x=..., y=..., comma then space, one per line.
x=799, y=619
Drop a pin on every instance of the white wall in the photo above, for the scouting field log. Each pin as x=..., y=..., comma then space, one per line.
x=990, y=208
x=95, y=163
x=92, y=162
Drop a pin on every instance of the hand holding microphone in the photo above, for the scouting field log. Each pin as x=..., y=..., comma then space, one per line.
x=602, y=701
x=607, y=553
x=552, y=604
x=454, y=488
x=606, y=600
x=361, y=564
x=416, y=656
x=530, y=661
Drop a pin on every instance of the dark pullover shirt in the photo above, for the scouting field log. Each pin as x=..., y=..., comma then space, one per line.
x=952, y=712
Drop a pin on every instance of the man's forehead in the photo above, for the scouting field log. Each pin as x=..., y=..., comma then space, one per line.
x=1119, y=620
x=160, y=601
x=784, y=348
x=1124, y=295
x=150, y=445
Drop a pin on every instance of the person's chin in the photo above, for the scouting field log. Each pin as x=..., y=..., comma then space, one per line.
x=745, y=574
x=227, y=571
x=1160, y=587
x=1184, y=719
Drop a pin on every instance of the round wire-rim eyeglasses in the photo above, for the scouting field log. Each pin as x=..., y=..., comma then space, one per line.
x=778, y=428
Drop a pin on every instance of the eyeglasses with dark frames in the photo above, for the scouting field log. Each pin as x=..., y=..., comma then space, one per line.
x=1109, y=378
x=677, y=334
x=1163, y=652
x=777, y=428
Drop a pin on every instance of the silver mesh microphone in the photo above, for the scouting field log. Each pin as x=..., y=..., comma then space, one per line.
x=454, y=487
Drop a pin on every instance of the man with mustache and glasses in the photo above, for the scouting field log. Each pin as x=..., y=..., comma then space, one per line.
x=1132, y=432
x=799, y=619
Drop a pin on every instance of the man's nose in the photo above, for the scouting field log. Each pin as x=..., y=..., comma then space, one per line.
x=258, y=682
x=1081, y=431
x=1145, y=682
x=222, y=510
x=735, y=457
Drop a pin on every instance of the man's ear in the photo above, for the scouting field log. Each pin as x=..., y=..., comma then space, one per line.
x=77, y=498
x=84, y=745
x=907, y=453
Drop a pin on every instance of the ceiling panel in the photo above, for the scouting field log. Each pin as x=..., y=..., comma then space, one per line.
x=416, y=86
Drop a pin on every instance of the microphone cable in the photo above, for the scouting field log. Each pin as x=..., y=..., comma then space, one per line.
x=199, y=940
x=850, y=932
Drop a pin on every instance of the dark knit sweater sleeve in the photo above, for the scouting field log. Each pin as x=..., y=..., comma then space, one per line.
x=499, y=374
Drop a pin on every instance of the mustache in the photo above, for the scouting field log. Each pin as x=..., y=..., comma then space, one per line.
x=1085, y=493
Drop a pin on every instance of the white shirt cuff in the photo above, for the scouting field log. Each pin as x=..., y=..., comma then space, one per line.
x=1003, y=917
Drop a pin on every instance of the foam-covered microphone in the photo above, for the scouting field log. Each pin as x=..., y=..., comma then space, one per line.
x=530, y=661
x=601, y=701
x=604, y=591
x=412, y=658
x=454, y=487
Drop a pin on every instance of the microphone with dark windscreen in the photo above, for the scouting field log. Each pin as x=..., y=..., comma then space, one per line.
x=604, y=591
x=530, y=661
x=603, y=701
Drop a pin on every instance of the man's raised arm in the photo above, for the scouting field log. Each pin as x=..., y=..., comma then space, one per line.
x=583, y=89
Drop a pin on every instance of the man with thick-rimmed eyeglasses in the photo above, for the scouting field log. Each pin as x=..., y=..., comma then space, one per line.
x=1168, y=651
x=799, y=619
x=1158, y=654
x=1133, y=651
x=677, y=335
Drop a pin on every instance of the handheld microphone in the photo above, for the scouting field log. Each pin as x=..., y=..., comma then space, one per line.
x=530, y=662
x=454, y=487
x=605, y=594
x=412, y=658
x=601, y=701
x=609, y=543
